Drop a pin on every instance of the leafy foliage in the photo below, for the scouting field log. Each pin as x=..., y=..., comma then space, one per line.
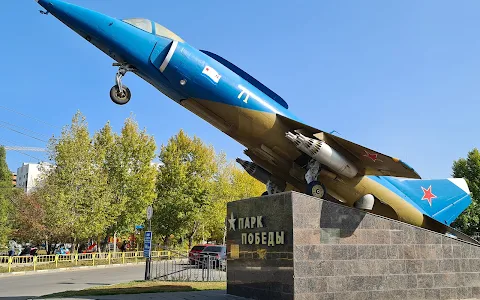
x=184, y=185
x=76, y=193
x=469, y=168
x=6, y=207
x=29, y=218
x=232, y=184
x=193, y=185
x=127, y=161
x=100, y=185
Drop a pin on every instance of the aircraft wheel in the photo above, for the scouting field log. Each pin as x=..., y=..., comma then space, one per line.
x=265, y=193
x=120, y=97
x=316, y=189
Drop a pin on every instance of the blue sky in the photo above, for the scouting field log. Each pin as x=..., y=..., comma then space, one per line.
x=398, y=77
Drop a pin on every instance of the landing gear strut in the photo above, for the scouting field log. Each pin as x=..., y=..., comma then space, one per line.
x=314, y=187
x=119, y=93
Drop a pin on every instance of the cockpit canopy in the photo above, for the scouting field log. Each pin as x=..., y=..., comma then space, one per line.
x=154, y=28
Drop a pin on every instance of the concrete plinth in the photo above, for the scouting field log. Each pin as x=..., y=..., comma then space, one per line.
x=293, y=246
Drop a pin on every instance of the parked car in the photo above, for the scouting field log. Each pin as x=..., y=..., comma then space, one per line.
x=216, y=255
x=193, y=254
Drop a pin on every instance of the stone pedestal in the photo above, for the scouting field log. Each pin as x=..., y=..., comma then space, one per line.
x=293, y=246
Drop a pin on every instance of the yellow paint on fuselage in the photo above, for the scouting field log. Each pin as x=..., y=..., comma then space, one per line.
x=353, y=189
x=263, y=133
x=249, y=127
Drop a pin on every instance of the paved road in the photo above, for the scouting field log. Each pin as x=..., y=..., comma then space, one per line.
x=34, y=285
x=205, y=295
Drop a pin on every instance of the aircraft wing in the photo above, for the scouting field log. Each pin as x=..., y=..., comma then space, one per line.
x=368, y=161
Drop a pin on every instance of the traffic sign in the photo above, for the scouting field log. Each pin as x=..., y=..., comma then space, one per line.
x=149, y=212
x=147, y=244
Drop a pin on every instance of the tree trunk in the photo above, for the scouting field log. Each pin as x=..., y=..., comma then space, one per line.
x=74, y=246
x=192, y=234
x=99, y=249
x=105, y=243
x=190, y=242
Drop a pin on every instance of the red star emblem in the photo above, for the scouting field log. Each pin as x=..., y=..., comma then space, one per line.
x=428, y=195
x=372, y=156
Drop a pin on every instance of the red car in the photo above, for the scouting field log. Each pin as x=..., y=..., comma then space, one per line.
x=192, y=255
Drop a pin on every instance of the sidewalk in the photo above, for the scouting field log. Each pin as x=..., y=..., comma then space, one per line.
x=205, y=295
x=73, y=268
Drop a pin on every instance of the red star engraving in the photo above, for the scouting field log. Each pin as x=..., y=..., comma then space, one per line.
x=372, y=156
x=428, y=195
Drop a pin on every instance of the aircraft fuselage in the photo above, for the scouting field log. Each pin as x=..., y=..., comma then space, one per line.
x=220, y=93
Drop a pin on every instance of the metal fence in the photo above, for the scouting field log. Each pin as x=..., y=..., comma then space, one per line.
x=182, y=268
x=10, y=263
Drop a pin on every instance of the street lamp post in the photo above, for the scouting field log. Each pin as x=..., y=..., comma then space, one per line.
x=147, y=246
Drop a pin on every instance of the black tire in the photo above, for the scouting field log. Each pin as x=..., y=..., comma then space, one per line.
x=265, y=193
x=316, y=189
x=120, y=98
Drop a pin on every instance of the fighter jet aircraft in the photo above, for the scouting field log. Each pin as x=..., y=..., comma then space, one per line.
x=286, y=154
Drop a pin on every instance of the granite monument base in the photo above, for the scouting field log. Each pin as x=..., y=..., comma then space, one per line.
x=293, y=246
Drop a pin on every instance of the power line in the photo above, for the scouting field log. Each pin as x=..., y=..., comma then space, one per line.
x=34, y=132
x=33, y=137
x=28, y=155
x=27, y=116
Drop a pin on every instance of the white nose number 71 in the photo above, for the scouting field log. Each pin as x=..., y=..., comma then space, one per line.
x=244, y=91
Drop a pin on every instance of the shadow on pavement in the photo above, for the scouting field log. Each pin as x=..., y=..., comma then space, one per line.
x=180, y=295
x=119, y=291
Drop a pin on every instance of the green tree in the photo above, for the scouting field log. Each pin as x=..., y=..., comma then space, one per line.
x=194, y=185
x=184, y=186
x=127, y=159
x=137, y=151
x=469, y=168
x=29, y=218
x=6, y=207
x=232, y=184
x=76, y=193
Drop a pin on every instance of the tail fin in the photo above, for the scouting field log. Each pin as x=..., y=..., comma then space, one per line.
x=441, y=199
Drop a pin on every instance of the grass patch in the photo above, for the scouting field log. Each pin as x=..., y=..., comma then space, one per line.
x=139, y=287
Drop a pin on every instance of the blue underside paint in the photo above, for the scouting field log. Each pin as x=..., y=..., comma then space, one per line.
x=449, y=202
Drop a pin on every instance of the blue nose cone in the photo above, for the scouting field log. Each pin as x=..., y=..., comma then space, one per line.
x=87, y=23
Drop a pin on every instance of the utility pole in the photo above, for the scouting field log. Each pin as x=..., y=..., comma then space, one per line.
x=115, y=242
